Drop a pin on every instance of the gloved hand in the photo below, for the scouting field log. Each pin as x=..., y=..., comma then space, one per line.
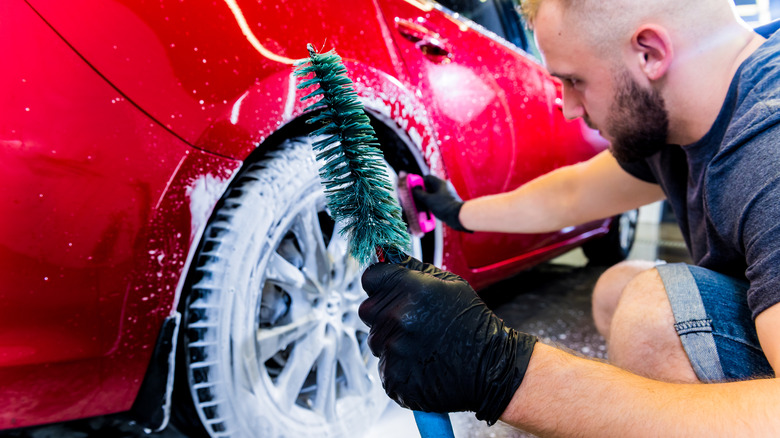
x=440, y=348
x=440, y=198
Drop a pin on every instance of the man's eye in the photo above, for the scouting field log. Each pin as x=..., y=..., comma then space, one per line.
x=569, y=82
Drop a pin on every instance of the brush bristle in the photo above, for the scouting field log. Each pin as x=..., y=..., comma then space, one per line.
x=358, y=189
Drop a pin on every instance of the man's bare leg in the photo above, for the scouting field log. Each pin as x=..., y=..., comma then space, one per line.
x=609, y=287
x=640, y=336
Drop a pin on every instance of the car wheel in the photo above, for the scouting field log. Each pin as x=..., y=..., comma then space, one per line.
x=616, y=244
x=272, y=343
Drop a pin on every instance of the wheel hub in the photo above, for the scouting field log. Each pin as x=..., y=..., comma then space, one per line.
x=333, y=304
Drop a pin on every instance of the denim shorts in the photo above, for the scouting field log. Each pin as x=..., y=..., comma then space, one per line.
x=714, y=323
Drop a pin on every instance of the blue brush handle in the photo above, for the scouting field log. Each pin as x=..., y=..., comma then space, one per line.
x=430, y=424
x=433, y=425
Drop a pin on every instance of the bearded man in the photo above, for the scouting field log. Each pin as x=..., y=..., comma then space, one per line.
x=688, y=96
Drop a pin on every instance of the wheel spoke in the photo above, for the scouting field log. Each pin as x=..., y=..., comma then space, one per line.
x=285, y=275
x=353, y=365
x=302, y=359
x=325, y=401
x=337, y=247
x=346, y=270
x=315, y=257
x=351, y=284
x=272, y=340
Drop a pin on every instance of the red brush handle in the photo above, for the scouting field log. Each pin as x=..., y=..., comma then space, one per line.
x=383, y=255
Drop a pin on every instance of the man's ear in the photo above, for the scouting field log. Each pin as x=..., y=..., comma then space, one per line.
x=653, y=48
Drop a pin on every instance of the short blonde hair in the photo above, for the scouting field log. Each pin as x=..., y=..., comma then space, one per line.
x=529, y=8
x=606, y=22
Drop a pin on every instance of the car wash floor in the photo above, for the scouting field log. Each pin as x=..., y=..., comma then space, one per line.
x=551, y=301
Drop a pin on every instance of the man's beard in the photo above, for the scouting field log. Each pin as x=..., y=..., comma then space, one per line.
x=638, y=121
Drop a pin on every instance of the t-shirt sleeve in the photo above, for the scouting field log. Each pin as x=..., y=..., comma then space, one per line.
x=639, y=169
x=747, y=184
x=761, y=239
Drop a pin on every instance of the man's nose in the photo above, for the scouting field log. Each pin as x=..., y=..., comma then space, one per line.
x=572, y=105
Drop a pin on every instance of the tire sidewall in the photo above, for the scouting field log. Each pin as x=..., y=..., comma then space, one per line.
x=254, y=217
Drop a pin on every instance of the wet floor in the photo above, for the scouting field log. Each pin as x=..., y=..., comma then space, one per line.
x=551, y=301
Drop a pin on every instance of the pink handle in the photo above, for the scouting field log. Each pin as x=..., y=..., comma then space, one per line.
x=424, y=217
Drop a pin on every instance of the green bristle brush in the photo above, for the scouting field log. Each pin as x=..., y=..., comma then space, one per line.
x=357, y=187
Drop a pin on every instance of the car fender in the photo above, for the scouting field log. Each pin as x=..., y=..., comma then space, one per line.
x=383, y=97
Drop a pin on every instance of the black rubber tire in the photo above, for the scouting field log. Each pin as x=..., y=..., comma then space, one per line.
x=273, y=293
x=272, y=344
x=615, y=246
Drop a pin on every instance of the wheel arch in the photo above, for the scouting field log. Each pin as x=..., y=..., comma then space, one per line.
x=400, y=121
x=408, y=141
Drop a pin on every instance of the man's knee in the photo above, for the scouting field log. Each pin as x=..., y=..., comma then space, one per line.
x=609, y=287
x=642, y=334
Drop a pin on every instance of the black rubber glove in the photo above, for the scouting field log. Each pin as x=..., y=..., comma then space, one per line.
x=442, y=200
x=440, y=348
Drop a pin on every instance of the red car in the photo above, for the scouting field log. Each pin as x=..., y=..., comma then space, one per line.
x=166, y=248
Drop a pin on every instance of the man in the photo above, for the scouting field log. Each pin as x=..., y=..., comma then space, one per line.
x=651, y=75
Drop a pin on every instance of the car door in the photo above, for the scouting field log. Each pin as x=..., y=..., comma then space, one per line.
x=493, y=108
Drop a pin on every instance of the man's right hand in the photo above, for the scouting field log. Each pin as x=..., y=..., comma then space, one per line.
x=440, y=198
x=440, y=348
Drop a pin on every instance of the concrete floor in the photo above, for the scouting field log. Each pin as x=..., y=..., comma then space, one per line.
x=551, y=301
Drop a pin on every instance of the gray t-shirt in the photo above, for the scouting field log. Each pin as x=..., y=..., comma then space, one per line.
x=725, y=188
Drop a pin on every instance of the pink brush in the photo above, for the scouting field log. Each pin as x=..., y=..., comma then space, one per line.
x=420, y=220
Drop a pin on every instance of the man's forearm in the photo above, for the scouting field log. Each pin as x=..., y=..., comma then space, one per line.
x=539, y=206
x=571, y=195
x=564, y=395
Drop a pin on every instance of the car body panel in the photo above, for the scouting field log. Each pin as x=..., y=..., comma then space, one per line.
x=225, y=85
x=495, y=111
x=192, y=66
x=89, y=265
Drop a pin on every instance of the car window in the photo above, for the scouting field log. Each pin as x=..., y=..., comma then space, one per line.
x=498, y=16
x=502, y=17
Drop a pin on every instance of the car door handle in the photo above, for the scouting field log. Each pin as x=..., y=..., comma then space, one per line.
x=428, y=41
